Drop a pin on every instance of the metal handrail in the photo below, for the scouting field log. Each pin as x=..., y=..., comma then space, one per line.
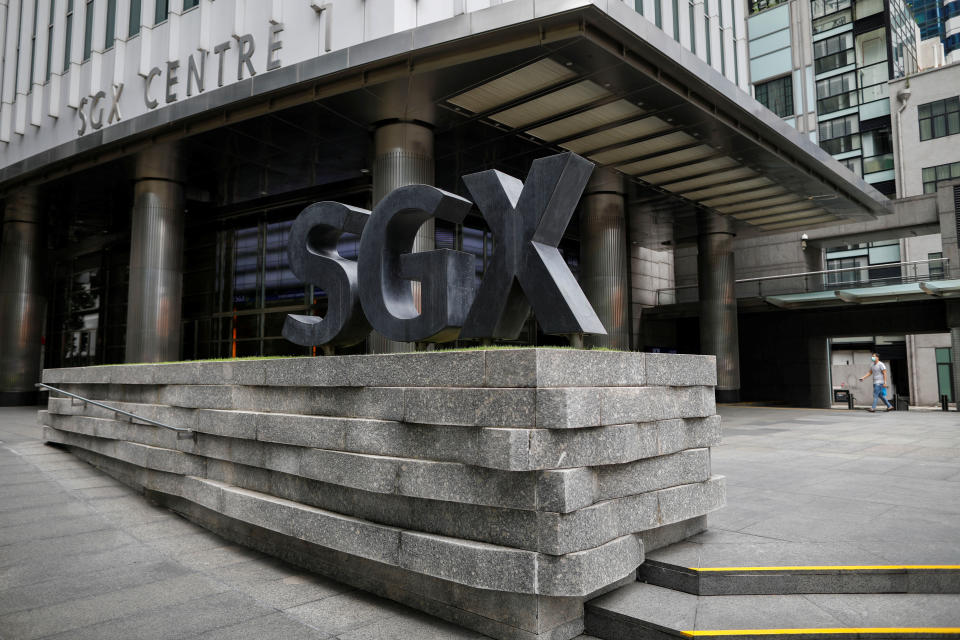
x=783, y=276
x=182, y=433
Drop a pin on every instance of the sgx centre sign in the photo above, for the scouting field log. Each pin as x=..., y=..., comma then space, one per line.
x=527, y=220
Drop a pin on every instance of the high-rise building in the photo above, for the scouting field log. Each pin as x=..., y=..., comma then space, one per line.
x=824, y=66
x=939, y=19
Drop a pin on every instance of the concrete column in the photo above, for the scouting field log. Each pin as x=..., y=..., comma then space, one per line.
x=403, y=154
x=22, y=297
x=821, y=389
x=156, y=257
x=953, y=321
x=604, y=275
x=718, y=301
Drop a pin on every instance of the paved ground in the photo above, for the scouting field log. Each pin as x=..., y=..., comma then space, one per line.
x=82, y=556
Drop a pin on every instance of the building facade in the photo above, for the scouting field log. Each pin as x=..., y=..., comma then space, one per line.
x=156, y=153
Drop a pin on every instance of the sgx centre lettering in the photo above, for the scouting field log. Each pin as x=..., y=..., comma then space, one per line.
x=526, y=270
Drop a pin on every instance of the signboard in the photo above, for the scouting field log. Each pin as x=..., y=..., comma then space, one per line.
x=526, y=270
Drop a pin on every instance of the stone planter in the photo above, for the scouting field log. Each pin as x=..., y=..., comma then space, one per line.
x=497, y=489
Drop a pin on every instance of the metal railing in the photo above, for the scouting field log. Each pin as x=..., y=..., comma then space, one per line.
x=818, y=280
x=182, y=433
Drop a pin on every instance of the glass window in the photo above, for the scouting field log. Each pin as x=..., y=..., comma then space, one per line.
x=825, y=7
x=944, y=372
x=160, y=11
x=833, y=53
x=111, y=24
x=49, y=70
x=69, y=38
x=933, y=176
x=33, y=44
x=832, y=21
x=940, y=118
x=134, y=24
x=190, y=4
x=88, y=31
x=759, y=5
x=777, y=95
x=864, y=8
x=935, y=267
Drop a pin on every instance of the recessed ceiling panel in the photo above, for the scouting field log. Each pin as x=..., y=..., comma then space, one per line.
x=589, y=119
x=692, y=169
x=796, y=224
x=735, y=187
x=753, y=205
x=524, y=81
x=647, y=147
x=732, y=199
x=668, y=160
x=739, y=173
x=552, y=104
x=628, y=131
x=801, y=205
x=783, y=217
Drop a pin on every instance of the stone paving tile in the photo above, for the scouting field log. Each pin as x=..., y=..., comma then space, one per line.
x=831, y=483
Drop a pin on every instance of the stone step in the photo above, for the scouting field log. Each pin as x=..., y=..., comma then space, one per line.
x=641, y=611
x=796, y=568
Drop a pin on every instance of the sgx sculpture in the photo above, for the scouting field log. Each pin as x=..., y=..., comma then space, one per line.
x=527, y=220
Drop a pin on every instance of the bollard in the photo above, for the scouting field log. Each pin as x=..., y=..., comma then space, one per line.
x=944, y=403
x=850, y=401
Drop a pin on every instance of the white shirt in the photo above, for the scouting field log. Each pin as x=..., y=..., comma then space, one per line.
x=878, y=368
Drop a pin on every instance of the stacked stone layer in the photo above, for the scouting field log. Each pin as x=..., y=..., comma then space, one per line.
x=535, y=475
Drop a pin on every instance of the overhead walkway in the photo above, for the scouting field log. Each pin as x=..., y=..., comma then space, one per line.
x=868, y=295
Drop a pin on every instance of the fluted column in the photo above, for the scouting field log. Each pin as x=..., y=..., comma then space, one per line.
x=156, y=257
x=403, y=155
x=22, y=297
x=604, y=276
x=718, y=301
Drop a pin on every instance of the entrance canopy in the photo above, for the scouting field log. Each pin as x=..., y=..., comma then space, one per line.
x=500, y=87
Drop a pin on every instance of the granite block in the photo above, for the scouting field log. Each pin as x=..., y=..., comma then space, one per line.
x=306, y=372
x=197, y=396
x=470, y=406
x=233, y=424
x=426, y=369
x=696, y=402
x=587, y=571
x=239, y=475
x=569, y=408
x=186, y=373
x=454, y=482
x=477, y=564
x=504, y=449
x=669, y=534
x=283, y=458
x=563, y=368
x=691, y=500
x=305, y=431
x=406, y=440
x=565, y=490
x=649, y=474
x=370, y=473
x=639, y=404
x=680, y=369
x=342, y=533
x=246, y=452
x=556, y=449
x=241, y=372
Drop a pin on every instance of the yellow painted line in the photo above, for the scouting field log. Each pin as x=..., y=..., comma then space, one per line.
x=822, y=631
x=868, y=567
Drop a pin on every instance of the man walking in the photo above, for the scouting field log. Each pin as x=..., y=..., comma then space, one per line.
x=879, y=372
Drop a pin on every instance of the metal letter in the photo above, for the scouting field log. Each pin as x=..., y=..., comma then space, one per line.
x=151, y=104
x=172, y=67
x=219, y=51
x=273, y=44
x=246, y=47
x=386, y=268
x=96, y=121
x=314, y=259
x=117, y=91
x=195, y=74
x=528, y=222
x=83, y=117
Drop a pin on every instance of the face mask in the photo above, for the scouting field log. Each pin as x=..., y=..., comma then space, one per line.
x=874, y=358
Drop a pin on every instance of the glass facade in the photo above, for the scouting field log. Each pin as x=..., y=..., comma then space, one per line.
x=777, y=95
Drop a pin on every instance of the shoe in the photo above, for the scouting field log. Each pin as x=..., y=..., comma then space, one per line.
x=871, y=410
x=890, y=409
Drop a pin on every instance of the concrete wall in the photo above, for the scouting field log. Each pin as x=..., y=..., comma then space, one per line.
x=911, y=155
x=847, y=366
x=921, y=357
x=497, y=489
